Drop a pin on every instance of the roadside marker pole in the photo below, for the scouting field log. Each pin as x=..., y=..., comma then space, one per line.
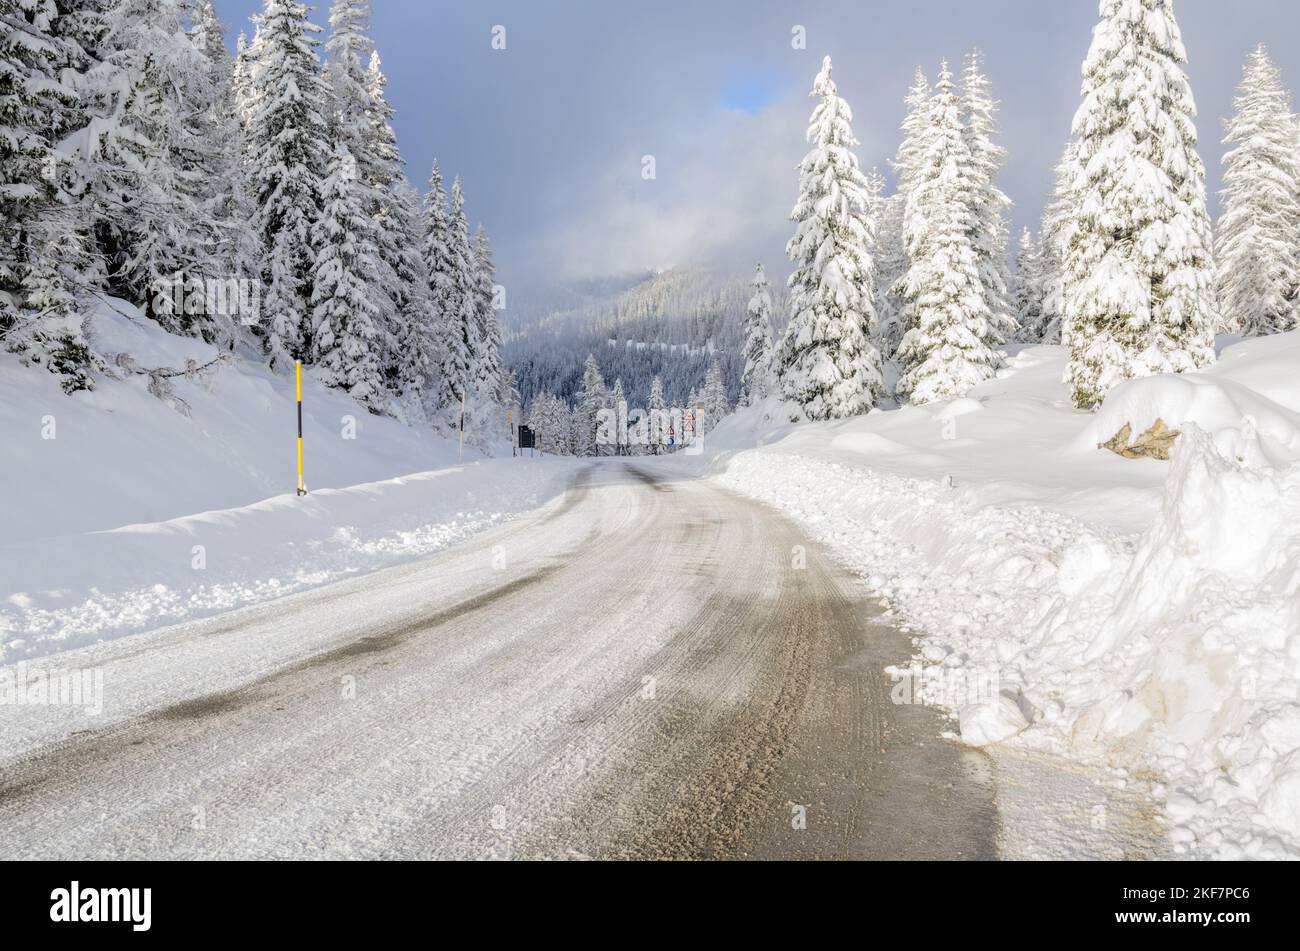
x=302, y=486
x=510, y=423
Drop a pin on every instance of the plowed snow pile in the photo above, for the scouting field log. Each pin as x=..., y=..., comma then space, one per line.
x=1139, y=613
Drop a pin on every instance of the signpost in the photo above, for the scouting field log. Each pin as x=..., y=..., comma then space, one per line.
x=527, y=440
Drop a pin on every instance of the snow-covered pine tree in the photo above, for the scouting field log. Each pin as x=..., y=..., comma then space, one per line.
x=242, y=77
x=829, y=362
x=232, y=249
x=618, y=407
x=287, y=155
x=892, y=261
x=1258, y=237
x=989, y=229
x=436, y=248
x=1055, y=234
x=144, y=151
x=592, y=397
x=713, y=397
x=344, y=337
x=462, y=299
x=419, y=353
x=488, y=370
x=42, y=248
x=946, y=349
x=1029, y=289
x=756, y=379
x=1139, y=268
x=909, y=160
x=656, y=413
x=397, y=267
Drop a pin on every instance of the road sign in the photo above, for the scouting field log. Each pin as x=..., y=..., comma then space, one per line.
x=527, y=438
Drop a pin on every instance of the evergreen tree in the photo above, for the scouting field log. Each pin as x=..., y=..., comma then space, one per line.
x=618, y=406
x=232, y=248
x=419, y=347
x=829, y=363
x=1029, y=290
x=756, y=381
x=460, y=284
x=713, y=397
x=144, y=149
x=892, y=261
x=909, y=161
x=946, y=349
x=657, y=410
x=989, y=228
x=344, y=337
x=1258, y=237
x=592, y=398
x=42, y=245
x=1056, y=235
x=488, y=369
x=287, y=157
x=437, y=251
x=1139, y=267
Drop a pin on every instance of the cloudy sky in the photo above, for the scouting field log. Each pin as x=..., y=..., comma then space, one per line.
x=549, y=134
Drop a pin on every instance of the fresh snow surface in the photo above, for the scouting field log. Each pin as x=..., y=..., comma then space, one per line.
x=99, y=533
x=1136, y=614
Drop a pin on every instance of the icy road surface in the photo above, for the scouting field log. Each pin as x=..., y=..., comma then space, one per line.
x=645, y=668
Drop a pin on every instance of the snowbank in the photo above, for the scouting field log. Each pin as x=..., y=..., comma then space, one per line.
x=97, y=533
x=69, y=591
x=119, y=455
x=1140, y=614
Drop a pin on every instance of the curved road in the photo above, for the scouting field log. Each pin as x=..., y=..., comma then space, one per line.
x=649, y=667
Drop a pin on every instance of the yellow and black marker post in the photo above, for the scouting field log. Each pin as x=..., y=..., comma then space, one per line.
x=302, y=486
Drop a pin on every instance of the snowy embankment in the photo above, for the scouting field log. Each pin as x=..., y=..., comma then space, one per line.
x=1138, y=613
x=99, y=538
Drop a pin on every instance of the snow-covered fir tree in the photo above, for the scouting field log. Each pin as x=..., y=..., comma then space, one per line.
x=1028, y=297
x=43, y=247
x=829, y=361
x=713, y=397
x=344, y=338
x=1059, y=223
x=593, y=397
x=233, y=249
x=989, y=229
x=1258, y=236
x=444, y=268
x=909, y=160
x=946, y=349
x=145, y=154
x=287, y=155
x=1140, y=273
x=419, y=351
x=488, y=370
x=618, y=416
x=461, y=300
x=892, y=261
x=656, y=413
x=756, y=380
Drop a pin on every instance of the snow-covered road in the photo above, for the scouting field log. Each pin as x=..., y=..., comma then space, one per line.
x=646, y=667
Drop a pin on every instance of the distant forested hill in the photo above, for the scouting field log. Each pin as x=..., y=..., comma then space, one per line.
x=673, y=324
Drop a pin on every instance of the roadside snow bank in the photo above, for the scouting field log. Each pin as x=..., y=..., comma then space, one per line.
x=224, y=438
x=70, y=591
x=1243, y=423
x=1177, y=649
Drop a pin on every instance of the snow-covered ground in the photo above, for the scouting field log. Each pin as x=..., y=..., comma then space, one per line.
x=100, y=536
x=1140, y=614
